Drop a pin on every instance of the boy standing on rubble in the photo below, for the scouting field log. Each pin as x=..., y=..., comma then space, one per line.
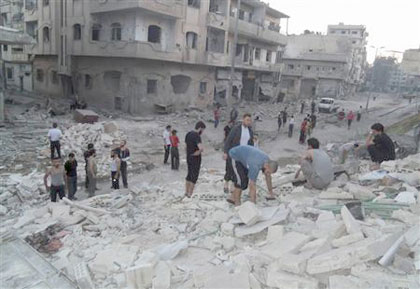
x=54, y=135
x=194, y=151
x=71, y=174
x=167, y=143
x=316, y=166
x=58, y=177
x=174, y=151
x=92, y=173
x=115, y=170
x=124, y=154
x=86, y=155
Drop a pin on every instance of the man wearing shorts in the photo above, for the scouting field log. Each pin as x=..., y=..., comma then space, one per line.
x=194, y=150
x=247, y=161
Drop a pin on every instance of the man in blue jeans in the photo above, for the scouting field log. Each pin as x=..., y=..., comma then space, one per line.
x=71, y=174
x=247, y=162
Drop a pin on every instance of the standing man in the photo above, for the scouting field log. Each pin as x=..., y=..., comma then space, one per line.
x=350, y=118
x=380, y=146
x=316, y=166
x=302, y=136
x=227, y=177
x=247, y=161
x=233, y=115
x=58, y=177
x=167, y=143
x=124, y=154
x=217, y=116
x=284, y=116
x=302, y=106
x=86, y=155
x=313, y=105
x=359, y=113
x=92, y=173
x=291, y=125
x=54, y=136
x=194, y=151
x=313, y=120
x=174, y=151
x=115, y=170
x=279, y=122
x=71, y=174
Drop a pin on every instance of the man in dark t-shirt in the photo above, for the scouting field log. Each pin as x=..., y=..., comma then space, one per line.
x=380, y=146
x=71, y=176
x=194, y=150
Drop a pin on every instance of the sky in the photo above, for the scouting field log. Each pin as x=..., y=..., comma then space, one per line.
x=392, y=24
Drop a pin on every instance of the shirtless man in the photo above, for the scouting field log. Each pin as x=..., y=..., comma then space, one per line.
x=58, y=178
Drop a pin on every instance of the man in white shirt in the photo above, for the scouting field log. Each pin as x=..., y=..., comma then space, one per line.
x=54, y=136
x=167, y=143
x=291, y=125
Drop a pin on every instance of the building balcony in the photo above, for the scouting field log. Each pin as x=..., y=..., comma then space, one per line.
x=217, y=21
x=15, y=57
x=257, y=32
x=163, y=8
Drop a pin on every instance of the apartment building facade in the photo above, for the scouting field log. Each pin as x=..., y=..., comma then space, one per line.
x=131, y=55
x=15, y=63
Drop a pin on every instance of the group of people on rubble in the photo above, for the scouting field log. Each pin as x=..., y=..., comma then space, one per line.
x=64, y=177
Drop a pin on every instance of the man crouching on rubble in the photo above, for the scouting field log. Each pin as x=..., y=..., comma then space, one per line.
x=380, y=146
x=247, y=161
x=58, y=177
x=316, y=166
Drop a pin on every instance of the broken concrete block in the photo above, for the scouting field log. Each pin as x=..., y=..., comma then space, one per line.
x=403, y=264
x=406, y=217
x=135, y=190
x=359, y=192
x=253, y=282
x=292, y=263
x=110, y=127
x=3, y=210
x=227, y=229
x=162, y=279
x=228, y=243
x=326, y=220
x=348, y=239
x=291, y=242
x=389, y=255
x=82, y=276
x=412, y=236
x=248, y=213
x=405, y=198
x=352, y=226
x=346, y=282
x=140, y=276
x=336, y=193
x=112, y=259
x=59, y=211
x=314, y=245
x=280, y=279
x=275, y=233
x=27, y=218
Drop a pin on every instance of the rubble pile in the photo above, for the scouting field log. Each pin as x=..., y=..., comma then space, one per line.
x=361, y=232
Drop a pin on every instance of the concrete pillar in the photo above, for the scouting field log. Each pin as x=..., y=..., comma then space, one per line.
x=1, y=107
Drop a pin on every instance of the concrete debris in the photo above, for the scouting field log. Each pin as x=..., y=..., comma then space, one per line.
x=348, y=239
x=352, y=226
x=248, y=213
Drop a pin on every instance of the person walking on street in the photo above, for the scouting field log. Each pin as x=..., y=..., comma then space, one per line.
x=54, y=135
x=302, y=136
x=359, y=114
x=284, y=116
x=115, y=170
x=233, y=115
x=86, y=156
x=92, y=173
x=174, y=151
x=291, y=125
x=350, y=118
x=194, y=149
x=216, y=116
x=302, y=106
x=70, y=167
x=166, y=143
x=58, y=180
x=279, y=122
x=124, y=154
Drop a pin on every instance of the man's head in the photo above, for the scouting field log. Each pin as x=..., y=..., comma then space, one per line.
x=377, y=128
x=247, y=120
x=92, y=153
x=114, y=154
x=55, y=125
x=56, y=162
x=200, y=127
x=313, y=143
x=90, y=146
x=168, y=128
x=71, y=156
x=123, y=143
x=174, y=132
x=270, y=167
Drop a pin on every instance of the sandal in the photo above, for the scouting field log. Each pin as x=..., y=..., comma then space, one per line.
x=270, y=198
x=230, y=201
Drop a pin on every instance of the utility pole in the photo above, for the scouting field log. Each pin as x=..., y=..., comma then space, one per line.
x=229, y=100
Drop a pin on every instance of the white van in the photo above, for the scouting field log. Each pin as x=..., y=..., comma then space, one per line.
x=327, y=105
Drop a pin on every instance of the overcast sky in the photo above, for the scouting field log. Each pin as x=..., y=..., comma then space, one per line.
x=393, y=24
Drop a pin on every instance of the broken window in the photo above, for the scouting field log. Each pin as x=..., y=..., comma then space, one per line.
x=268, y=56
x=88, y=81
x=308, y=67
x=180, y=83
x=5, y=47
x=3, y=19
x=117, y=103
x=279, y=56
x=40, y=75
x=154, y=33
x=343, y=31
x=250, y=17
x=112, y=80
x=215, y=40
x=46, y=34
x=333, y=68
x=203, y=87
x=241, y=14
x=96, y=29
x=291, y=66
x=192, y=40
x=46, y=2
x=194, y=3
x=116, y=32
x=9, y=72
x=238, y=49
x=257, y=53
x=16, y=50
x=77, y=32
x=151, y=86
x=31, y=4
x=54, y=77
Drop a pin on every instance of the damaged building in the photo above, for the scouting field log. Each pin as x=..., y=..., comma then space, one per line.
x=133, y=55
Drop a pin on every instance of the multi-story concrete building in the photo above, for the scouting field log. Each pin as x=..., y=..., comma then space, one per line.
x=131, y=55
x=358, y=36
x=410, y=65
x=316, y=65
x=16, y=64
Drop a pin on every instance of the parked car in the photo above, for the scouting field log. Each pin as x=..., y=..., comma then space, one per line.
x=328, y=105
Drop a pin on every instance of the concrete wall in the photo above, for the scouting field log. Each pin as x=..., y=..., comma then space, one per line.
x=47, y=64
x=21, y=73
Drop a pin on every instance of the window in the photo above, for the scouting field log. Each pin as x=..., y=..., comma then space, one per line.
x=151, y=86
x=268, y=56
x=343, y=31
x=238, y=49
x=203, y=87
x=77, y=32
x=10, y=73
x=40, y=75
x=117, y=103
x=308, y=67
x=154, y=34
x=54, y=77
x=5, y=47
x=241, y=14
x=88, y=81
x=31, y=4
x=16, y=50
x=250, y=17
x=333, y=68
x=46, y=34
x=354, y=42
x=3, y=19
x=46, y=2
x=192, y=40
x=279, y=56
x=291, y=66
x=332, y=31
x=116, y=32
x=257, y=53
x=96, y=29
x=354, y=32
x=194, y=3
